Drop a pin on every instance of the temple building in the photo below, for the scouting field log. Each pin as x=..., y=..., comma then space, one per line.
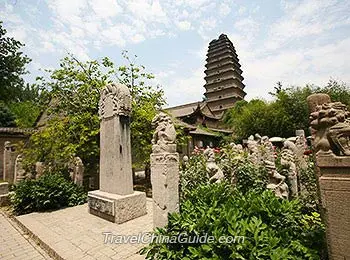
x=224, y=86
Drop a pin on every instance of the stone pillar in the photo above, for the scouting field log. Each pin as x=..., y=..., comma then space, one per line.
x=20, y=173
x=4, y=192
x=10, y=155
x=115, y=200
x=164, y=170
x=330, y=130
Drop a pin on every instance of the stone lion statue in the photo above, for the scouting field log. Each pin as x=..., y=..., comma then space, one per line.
x=164, y=136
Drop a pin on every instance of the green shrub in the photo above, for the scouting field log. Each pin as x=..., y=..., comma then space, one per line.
x=272, y=228
x=193, y=174
x=50, y=191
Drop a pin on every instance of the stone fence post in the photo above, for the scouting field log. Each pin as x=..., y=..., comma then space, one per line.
x=164, y=170
x=330, y=128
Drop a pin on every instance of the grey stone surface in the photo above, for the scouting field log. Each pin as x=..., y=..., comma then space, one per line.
x=118, y=208
x=115, y=145
x=74, y=234
x=115, y=200
x=15, y=244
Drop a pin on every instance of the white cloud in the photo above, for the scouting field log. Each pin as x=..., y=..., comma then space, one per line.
x=308, y=18
x=105, y=8
x=224, y=9
x=242, y=10
x=150, y=11
x=185, y=88
x=184, y=25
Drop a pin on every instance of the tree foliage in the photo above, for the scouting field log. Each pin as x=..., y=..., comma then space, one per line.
x=12, y=68
x=286, y=113
x=7, y=119
x=73, y=125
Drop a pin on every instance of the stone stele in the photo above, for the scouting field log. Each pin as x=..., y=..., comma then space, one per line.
x=116, y=200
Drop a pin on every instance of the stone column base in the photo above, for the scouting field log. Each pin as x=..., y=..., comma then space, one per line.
x=4, y=194
x=117, y=208
x=4, y=200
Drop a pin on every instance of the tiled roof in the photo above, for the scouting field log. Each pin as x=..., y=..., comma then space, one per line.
x=183, y=110
x=200, y=131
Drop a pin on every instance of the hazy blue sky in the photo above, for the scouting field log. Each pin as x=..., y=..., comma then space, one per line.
x=296, y=42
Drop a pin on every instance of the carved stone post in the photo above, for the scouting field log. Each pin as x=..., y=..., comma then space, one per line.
x=20, y=173
x=164, y=170
x=330, y=130
x=10, y=155
x=4, y=194
x=115, y=200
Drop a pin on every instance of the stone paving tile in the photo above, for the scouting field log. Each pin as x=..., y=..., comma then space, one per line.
x=15, y=244
x=73, y=233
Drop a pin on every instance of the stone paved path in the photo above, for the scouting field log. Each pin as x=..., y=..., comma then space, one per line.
x=73, y=233
x=14, y=244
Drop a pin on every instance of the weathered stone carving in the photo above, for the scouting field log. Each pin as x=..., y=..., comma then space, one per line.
x=40, y=168
x=253, y=150
x=20, y=173
x=164, y=170
x=301, y=145
x=76, y=171
x=214, y=172
x=104, y=205
x=164, y=136
x=115, y=159
x=267, y=151
x=9, y=158
x=277, y=181
x=288, y=159
x=330, y=128
x=330, y=131
x=115, y=100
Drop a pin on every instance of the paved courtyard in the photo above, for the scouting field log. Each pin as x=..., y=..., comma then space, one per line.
x=14, y=244
x=73, y=233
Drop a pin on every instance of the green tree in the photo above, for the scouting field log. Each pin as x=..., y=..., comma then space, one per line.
x=285, y=114
x=7, y=119
x=73, y=126
x=12, y=68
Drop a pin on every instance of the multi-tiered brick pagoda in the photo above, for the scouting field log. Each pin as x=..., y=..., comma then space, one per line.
x=223, y=76
x=224, y=87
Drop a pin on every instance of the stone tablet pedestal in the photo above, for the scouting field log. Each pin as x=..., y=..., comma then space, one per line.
x=117, y=208
x=116, y=201
x=334, y=183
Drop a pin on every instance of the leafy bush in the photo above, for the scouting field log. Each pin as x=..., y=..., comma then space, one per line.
x=193, y=174
x=50, y=191
x=272, y=228
x=308, y=184
x=235, y=165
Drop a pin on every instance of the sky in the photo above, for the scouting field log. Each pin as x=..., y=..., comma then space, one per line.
x=296, y=42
